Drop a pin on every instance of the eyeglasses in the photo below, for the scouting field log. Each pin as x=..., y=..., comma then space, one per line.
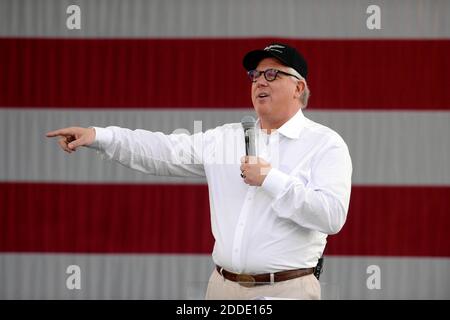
x=269, y=74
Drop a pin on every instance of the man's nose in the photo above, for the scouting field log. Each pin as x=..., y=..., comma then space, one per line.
x=261, y=81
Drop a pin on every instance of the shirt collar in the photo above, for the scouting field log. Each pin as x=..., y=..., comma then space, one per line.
x=291, y=128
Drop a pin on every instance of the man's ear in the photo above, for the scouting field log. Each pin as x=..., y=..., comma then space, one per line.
x=300, y=87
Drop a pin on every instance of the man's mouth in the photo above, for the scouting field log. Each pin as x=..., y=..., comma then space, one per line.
x=262, y=95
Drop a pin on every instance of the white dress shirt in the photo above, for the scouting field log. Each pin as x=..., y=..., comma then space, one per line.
x=281, y=225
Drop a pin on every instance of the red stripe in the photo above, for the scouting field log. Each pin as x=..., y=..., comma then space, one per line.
x=385, y=221
x=105, y=218
x=395, y=221
x=207, y=73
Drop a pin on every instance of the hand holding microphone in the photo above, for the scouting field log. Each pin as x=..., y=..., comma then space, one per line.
x=253, y=169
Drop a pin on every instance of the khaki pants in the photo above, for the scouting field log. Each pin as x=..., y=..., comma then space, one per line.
x=305, y=288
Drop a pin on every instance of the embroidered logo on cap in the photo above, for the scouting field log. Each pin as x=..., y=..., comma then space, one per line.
x=274, y=47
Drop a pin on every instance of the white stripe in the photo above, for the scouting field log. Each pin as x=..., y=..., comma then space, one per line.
x=387, y=148
x=43, y=276
x=220, y=18
x=400, y=278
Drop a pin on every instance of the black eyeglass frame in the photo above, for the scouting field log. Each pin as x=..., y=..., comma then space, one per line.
x=265, y=76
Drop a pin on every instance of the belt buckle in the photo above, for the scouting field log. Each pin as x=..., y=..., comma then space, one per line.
x=246, y=280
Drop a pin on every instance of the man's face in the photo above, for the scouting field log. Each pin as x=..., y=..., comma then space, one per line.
x=274, y=99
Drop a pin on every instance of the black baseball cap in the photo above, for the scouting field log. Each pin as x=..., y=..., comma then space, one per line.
x=287, y=55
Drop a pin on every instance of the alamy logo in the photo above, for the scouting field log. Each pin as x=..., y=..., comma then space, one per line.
x=374, y=279
x=73, y=22
x=373, y=22
x=73, y=281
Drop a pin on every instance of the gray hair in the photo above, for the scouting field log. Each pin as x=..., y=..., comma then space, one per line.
x=304, y=97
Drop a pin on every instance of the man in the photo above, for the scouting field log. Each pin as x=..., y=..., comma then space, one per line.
x=270, y=214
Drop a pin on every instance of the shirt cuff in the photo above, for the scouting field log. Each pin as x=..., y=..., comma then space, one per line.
x=275, y=182
x=103, y=137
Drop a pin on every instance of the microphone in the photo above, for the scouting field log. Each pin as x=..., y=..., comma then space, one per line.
x=248, y=123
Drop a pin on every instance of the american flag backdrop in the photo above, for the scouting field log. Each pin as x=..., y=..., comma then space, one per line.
x=161, y=65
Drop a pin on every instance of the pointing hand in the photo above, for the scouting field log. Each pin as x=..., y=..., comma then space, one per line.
x=73, y=137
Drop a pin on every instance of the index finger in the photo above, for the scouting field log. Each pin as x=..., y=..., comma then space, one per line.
x=59, y=132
